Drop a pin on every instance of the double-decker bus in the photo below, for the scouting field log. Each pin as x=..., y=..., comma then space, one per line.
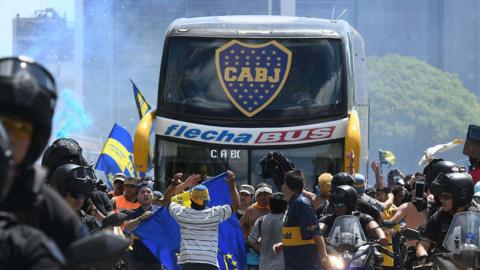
x=234, y=88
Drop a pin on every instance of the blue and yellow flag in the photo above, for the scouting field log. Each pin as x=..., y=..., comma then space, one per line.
x=161, y=233
x=142, y=105
x=117, y=154
x=386, y=157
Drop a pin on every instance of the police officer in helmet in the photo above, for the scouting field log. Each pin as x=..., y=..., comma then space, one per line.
x=338, y=179
x=344, y=200
x=27, y=100
x=68, y=151
x=75, y=183
x=345, y=179
x=430, y=172
x=21, y=246
x=455, y=193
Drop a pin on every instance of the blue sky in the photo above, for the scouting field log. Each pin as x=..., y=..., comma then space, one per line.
x=26, y=8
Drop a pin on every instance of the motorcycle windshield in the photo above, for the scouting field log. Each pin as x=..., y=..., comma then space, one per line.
x=346, y=231
x=464, y=233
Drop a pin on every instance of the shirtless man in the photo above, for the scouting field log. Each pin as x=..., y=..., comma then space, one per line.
x=260, y=208
x=413, y=213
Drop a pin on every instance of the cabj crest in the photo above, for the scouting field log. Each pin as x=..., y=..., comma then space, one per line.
x=252, y=75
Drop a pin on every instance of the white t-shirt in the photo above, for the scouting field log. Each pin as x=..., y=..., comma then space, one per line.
x=199, y=232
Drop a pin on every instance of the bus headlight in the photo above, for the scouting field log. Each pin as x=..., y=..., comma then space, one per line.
x=336, y=262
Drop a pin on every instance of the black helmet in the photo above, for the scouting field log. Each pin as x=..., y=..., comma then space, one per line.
x=28, y=91
x=6, y=164
x=346, y=195
x=437, y=166
x=62, y=151
x=73, y=178
x=340, y=179
x=371, y=191
x=460, y=185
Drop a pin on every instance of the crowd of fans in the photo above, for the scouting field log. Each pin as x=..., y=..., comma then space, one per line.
x=43, y=210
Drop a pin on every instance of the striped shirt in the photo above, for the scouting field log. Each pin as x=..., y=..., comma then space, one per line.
x=199, y=232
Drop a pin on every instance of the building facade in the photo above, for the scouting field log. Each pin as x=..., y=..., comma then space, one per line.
x=47, y=38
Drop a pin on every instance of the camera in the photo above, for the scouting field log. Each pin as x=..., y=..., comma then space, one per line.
x=274, y=165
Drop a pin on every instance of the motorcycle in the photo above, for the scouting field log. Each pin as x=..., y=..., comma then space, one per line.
x=353, y=250
x=103, y=249
x=461, y=246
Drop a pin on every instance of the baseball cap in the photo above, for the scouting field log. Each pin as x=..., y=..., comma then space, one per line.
x=119, y=177
x=263, y=189
x=399, y=180
x=247, y=189
x=199, y=195
x=131, y=181
x=360, y=183
x=148, y=184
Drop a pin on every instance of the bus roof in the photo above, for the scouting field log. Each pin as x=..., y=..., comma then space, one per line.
x=259, y=27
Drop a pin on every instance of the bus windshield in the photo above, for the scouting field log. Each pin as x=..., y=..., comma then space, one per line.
x=211, y=160
x=201, y=83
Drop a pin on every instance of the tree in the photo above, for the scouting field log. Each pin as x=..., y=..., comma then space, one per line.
x=414, y=106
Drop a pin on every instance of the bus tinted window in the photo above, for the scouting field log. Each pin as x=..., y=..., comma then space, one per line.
x=210, y=161
x=311, y=160
x=314, y=86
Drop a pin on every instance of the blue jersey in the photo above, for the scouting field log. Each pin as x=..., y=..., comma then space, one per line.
x=299, y=228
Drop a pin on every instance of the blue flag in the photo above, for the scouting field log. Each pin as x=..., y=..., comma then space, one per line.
x=161, y=233
x=117, y=154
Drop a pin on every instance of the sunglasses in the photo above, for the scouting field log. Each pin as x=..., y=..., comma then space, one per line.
x=77, y=195
x=24, y=68
x=17, y=128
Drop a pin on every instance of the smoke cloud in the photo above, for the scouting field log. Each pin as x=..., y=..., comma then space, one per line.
x=70, y=118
